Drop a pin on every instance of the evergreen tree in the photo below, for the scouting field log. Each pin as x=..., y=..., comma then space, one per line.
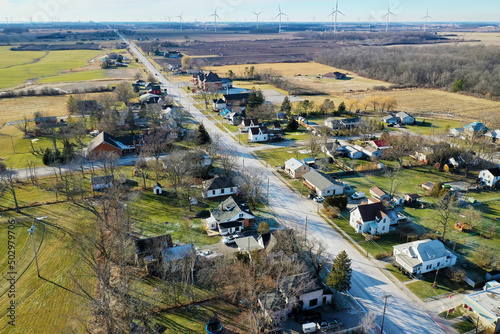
x=202, y=136
x=255, y=99
x=72, y=105
x=68, y=152
x=340, y=274
x=342, y=107
x=292, y=124
x=286, y=106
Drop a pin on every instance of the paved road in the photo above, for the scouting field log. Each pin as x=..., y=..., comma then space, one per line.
x=369, y=285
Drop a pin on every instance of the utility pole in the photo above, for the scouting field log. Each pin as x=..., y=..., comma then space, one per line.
x=305, y=232
x=477, y=324
x=435, y=278
x=383, y=314
x=267, y=190
x=31, y=231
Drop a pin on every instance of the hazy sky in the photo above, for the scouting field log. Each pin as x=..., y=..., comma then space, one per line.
x=241, y=10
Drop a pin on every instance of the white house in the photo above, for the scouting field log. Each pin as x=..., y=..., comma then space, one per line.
x=490, y=177
x=157, y=190
x=256, y=135
x=322, y=185
x=249, y=123
x=370, y=218
x=296, y=168
x=405, y=118
x=219, y=186
x=370, y=151
x=353, y=152
x=298, y=290
x=457, y=132
x=230, y=217
x=219, y=104
x=493, y=135
x=422, y=256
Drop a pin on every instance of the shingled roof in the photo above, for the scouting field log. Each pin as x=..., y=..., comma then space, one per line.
x=373, y=211
x=228, y=209
x=218, y=182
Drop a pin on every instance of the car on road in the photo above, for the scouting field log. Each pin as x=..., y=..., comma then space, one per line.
x=358, y=195
x=319, y=199
x=230, y=239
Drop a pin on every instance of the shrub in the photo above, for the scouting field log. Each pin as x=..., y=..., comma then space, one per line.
x=203, y=214
x=339, y=202
x=381, y=256
x=331, y=212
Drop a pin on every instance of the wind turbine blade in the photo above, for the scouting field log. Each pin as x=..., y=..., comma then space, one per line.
x=218, y=17
x=341, y=13
x=277, y=15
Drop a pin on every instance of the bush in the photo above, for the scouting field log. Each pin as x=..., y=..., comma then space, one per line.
x=381, y=256
x=339, y=202
x=331, y=212
x=203, y=214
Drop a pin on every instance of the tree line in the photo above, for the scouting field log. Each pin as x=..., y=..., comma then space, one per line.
x=471, y=69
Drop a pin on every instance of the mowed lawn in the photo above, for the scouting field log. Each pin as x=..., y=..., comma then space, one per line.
x=52, y=303
x=52, y=64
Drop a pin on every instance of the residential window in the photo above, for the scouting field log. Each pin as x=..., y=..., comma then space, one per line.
x=213, y=192
x=222, y=191
x=313, y=302
x=438, y=264
x=241, y=215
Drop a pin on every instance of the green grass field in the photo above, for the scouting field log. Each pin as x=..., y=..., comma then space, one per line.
x=75, y=76
x=52, y=64
x=10, y=58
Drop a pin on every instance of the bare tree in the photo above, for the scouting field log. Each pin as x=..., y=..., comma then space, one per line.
x=156, y=143
x=32, y=172
x=142, y=166
x=367, y=322
x=175, y=168
x=313, y=144
x=401, y=146
x=445, y=212
x=394, y=175
x=23, y=125
x=228, y=160
x=252, y=185
x=124, y=92
x=8, y=181
x=208, y=92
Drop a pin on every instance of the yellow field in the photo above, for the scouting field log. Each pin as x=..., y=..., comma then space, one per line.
x=431, y=100
x=485, y=38
x=16, y=108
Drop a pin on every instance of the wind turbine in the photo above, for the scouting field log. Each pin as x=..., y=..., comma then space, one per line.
x=333, y=14
x=426, y=17
x=180, y=19
x=314, y=18
x=370, y=20
x=279, y=15
x=257, y=14
x=215, y=18
x=388, y=15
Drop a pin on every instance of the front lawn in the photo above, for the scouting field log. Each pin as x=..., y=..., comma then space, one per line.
x=463, y=326
x=396, y=273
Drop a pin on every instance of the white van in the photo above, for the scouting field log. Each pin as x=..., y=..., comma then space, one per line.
x=310, y=327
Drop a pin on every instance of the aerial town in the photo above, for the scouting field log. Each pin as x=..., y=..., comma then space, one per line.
x=246, y=174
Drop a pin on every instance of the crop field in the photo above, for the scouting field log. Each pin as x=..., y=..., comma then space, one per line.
x=48, y=64
x=13, y=109
x=75, y=76
x=435, y=102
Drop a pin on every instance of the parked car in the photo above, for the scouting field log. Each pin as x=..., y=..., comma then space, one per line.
x=309, y=327
x=319, y=199
x=207, y=252
x=230, y=239
x=358, y=195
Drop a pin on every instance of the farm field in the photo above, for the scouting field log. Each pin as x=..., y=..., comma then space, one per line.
x=51, y=64
x=75, y=76
x=13, y=109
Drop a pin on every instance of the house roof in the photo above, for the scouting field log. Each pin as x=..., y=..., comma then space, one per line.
x=494, y=171
x=209, y=77
x=155, y=244
x=255, y=131
x=428, y=185
x=390, y=118
x=476, y=126
x=219, y=101
x=236, y=97
x=294, y=163
x=351, y=149
x=267, y=240
x=487, y=300
x=106, y=179
x=177, y=253
x=403, y=114
x=118, y=142
x=228, y=209
x=319, y=180
x=372, y=211
x=272, y=301
x=291, y=283
x=427, y=249
x=380, y=143
x=248, y=243
x=218, y=182
x=377, y=191
x=250, y=121
x=493, y=133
